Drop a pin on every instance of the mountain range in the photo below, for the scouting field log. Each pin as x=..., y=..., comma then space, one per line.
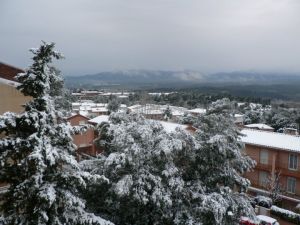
x=149, y=78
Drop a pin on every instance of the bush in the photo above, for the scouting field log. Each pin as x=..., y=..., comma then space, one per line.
x=286, y=214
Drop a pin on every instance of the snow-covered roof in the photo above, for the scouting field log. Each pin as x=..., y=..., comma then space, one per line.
x=83, y=112
x=152, y=109
x=238, y=115
x=99, y=109
x=259, y=126
x=134, y=106
x=168, y=126
x=198, y=110
x=9, y=82
x=271, y=139
x=99, y=119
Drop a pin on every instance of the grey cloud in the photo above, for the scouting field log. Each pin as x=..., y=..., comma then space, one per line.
x=204, y=35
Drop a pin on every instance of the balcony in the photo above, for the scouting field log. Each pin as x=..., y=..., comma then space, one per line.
x=285, y=171
x=266, y=167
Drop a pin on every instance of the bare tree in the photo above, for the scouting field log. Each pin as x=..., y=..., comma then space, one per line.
x=274, y=188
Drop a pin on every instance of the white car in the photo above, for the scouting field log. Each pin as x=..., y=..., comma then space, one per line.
x=266, y=220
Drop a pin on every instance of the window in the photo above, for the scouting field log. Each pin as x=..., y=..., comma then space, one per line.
x=264, y=157
x=82, y=122
x=293, y=162
x=263, y=178
x=291, y=185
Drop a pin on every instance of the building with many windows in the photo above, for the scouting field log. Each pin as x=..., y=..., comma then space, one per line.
x=276, y=155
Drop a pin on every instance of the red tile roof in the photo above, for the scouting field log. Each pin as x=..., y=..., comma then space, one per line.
x=9, y=72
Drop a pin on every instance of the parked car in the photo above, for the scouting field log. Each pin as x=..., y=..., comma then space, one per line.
x=261, y=220
x=247, y=221
x=266, y=220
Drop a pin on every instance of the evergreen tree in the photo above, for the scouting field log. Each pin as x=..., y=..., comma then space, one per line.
x=217, y=167
x=37, y=156
x=172, y=178
x=143, y=178
x=167, y=113
x=113, y=106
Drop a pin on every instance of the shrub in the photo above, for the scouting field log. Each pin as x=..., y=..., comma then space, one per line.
x=286, y=214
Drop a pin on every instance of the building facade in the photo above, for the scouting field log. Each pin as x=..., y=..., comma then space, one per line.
x=277, y=156
x=84, y=141
x=11, y=99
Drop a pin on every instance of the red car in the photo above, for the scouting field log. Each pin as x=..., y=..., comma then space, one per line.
x=263, y=220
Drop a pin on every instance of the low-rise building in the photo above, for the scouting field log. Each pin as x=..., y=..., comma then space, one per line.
x=84, y=141
x=11, y=99
x=276, y=154
x=259, y=126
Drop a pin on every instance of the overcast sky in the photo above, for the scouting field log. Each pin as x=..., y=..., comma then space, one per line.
x=204, y=35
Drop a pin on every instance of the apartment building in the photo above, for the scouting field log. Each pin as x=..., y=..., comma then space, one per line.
x=11, y=99
x=276, y=154
x=84, y=141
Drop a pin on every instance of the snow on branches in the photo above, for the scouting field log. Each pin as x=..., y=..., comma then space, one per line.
x=37, y=156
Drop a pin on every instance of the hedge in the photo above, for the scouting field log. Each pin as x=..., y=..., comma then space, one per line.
x=286, y=214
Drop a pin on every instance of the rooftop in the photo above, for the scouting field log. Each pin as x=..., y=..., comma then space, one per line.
x=271, y=139
x=259, y=126
x=169, y=127
x=198, y=110
x=9, y=72
x=99, y=119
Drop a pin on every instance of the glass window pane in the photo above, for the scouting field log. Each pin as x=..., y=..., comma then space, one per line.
x=264, y=157
x=293, y=161
x=291, y=185
x=263, y=178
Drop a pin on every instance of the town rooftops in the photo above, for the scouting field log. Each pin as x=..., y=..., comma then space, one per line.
x=171, y=127
x=271, y=140
x=168, y=126
x=99, y=119
x=260, y=126
x=198, y=111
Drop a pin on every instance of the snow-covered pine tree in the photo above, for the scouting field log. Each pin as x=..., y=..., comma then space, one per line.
x=167, y=113
x=61, y=95
x=138, y=161
x=113, y=106
x=216, y=185
x=37, y=156
x=172, y=179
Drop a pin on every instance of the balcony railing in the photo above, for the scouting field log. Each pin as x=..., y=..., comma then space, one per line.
x=261, y=166
x=283, y=168
x=286, y=171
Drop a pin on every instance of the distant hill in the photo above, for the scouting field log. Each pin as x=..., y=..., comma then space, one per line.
x=152, y=79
